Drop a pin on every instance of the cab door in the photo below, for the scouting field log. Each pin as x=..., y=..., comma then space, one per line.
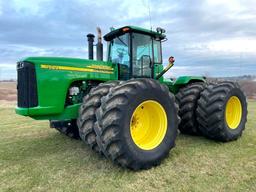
x=142, y=55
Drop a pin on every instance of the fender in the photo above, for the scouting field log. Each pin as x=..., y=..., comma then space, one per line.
x=182, y=81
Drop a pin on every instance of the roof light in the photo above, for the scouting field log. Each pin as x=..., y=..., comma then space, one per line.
x=160, y=30
x=126, y=29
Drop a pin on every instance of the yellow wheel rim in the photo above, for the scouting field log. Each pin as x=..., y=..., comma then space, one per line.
x=148, y=125
x=233, y=112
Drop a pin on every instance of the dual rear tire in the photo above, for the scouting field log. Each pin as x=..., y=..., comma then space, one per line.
x=216, y=111
x=187, y=98
x=222, y=111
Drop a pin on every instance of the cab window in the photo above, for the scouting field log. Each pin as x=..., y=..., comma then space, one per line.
x=119, y=54
x=157, y=52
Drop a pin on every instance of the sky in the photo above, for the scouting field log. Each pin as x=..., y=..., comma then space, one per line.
x=207, y=37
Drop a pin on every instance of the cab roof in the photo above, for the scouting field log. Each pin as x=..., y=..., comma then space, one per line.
x=126, y=29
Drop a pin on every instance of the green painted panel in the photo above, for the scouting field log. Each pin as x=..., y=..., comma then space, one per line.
x=70, y=112
x=54, y=77
x=186, y=79
x=174, y=86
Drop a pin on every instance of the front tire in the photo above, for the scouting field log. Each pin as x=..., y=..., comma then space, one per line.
x=137, y=123
x=87, y=117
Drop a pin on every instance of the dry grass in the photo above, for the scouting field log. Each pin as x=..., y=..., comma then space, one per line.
x=34, y=157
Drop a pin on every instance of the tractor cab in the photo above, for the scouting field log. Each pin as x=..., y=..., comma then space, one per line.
x=135, y=50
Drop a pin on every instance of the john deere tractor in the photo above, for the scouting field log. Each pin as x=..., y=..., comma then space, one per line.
x=123, y=108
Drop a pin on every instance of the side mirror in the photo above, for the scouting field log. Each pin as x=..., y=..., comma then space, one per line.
x=171, y=59
x=145, y=61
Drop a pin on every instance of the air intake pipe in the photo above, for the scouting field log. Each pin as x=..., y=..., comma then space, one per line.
x=90, y=38
x=99, y=45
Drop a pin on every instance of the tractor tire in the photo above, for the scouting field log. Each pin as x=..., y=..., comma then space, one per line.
x=87, y=117
x=137, y=123
x=187, y=98
x=68, y=128
x=222, y=111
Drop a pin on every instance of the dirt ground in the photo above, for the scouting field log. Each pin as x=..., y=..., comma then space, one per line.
x=8, y=91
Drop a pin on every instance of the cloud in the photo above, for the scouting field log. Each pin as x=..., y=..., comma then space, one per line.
x=205, y=36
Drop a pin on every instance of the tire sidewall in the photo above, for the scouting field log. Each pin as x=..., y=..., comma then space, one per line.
x=238, y=93
x=168, y=142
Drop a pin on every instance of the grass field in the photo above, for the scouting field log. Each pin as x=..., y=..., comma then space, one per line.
x=34, y=157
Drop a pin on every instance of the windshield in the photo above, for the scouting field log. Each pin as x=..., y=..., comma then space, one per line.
x=119, y=53
x=119, y=50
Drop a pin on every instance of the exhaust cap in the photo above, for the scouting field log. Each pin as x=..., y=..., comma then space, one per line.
x=99, y=45
x=90, y=38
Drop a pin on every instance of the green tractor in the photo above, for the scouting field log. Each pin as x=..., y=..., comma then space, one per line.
x=123, y=108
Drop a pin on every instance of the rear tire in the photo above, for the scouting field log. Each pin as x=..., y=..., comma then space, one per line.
x=68, y=128
x=116, y=120
x=87, y=117
x=187, y=98
x=222, y=111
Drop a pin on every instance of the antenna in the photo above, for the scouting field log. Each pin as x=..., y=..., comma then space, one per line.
x=149, y=13
x=240, y=64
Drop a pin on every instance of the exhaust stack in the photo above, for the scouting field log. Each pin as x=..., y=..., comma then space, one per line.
x=90, y=38
x=99, y=45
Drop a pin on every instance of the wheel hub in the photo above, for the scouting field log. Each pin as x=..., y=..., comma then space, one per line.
x=233, y=112
x=148, y=125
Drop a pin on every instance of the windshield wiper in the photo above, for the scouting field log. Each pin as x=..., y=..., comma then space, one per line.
x=122, y=41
